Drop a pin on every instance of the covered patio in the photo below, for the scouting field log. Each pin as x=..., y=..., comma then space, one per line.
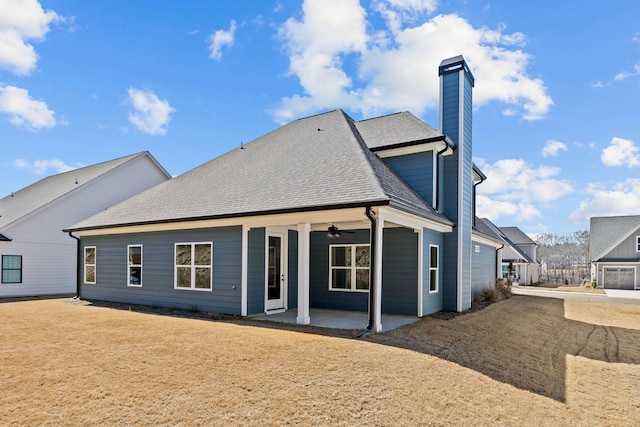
x=339, y=319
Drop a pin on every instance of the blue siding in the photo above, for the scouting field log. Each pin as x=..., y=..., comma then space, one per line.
x=417, y=170
x=319, y=294
x=256, y=271
x=292, y=272
x=158, y=270
x=431, y=302
x=458, y=189
x=484, y=269
x=400, y=272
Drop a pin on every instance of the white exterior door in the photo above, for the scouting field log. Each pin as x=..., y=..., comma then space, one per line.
x=275, y=275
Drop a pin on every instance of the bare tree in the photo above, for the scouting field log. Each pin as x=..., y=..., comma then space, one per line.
x=564, y=258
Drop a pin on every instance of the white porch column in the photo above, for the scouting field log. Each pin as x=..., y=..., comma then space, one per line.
x=244, y=274
x=377, y=312
x=304, y=231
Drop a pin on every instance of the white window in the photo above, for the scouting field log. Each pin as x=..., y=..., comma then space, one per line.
x=90, y=264
x=434, y=262
x=11, y=268
x=193, y=266
x=134, y=265
x=477, y=249
x=349, y=268
x=637, y=243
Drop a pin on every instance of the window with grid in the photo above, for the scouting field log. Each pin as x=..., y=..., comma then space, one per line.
x=193, y=266
x=11, y=268
x=349, y=268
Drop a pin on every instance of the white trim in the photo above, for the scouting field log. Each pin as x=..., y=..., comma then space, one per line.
x=407, y=220
x=420, y=272
x=304, y=231
x=244, y=280
x=84, y=265
x=460, y=200
x=436, y=269
x=434, y=180
x=139, y=285
x=414, y=149
x=485, y=241
x=193, y=266
x=353, y=269
x=637, y=243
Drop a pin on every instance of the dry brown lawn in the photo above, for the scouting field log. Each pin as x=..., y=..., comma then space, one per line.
x=523, y=361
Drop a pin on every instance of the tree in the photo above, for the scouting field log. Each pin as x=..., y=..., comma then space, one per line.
x=564, y=258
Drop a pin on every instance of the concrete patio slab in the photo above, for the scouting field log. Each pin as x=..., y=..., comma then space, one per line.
x=339, y=319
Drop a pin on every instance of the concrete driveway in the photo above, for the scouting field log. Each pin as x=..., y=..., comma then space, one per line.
x=611, y=295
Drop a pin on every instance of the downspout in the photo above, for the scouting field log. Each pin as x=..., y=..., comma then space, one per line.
x=499, y=271
x=78, y=253
x=372, y=265
x=437, y=165
x=475, y=184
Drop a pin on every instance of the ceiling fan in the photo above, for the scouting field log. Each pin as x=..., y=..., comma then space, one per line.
x=334, y=232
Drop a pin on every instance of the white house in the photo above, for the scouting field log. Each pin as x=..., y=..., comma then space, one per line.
x=37, y=257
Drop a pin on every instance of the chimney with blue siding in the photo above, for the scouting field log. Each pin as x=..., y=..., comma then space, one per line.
x=456, y=84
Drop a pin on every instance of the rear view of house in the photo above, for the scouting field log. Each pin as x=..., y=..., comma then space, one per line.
x=37, y=257
x=614, y=251
x=325, y=212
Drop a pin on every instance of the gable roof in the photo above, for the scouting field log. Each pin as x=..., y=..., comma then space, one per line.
x=488, y=229
x=36, y=196
x=605, y=233
x=313, y=163
x=517, y=236
x=396, y=130
x=513, y=232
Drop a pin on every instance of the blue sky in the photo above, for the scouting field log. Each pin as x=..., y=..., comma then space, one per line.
x=556, y=117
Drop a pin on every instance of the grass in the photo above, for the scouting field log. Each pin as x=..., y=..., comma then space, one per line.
x=521, y=361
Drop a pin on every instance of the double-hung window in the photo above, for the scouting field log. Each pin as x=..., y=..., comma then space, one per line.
x=193, y=266
x=11, y=268
x=134, y=267
x=434, y=261
x=349, y=268
x=90, y=264
x=637, y=243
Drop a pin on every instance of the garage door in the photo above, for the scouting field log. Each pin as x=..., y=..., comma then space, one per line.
x=618, y=278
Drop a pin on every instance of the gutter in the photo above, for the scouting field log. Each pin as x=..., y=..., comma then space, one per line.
x=475, y=184
x=372, y=266
x=78, y=263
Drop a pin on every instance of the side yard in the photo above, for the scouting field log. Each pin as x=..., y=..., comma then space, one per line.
x=523, y=361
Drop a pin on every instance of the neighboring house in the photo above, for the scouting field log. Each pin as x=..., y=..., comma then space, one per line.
x=38, y=258
x=614, y=251
x=522, y=253
x=325, y=212
x=486, y=260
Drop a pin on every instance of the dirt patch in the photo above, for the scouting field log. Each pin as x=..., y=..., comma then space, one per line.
x=522, y=361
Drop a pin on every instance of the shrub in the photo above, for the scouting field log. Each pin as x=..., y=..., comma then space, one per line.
x=502, y=290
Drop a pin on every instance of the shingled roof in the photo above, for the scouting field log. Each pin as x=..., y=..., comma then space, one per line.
x=30, y=199
x=398, y=129
x=314, y=163
x=607, y=232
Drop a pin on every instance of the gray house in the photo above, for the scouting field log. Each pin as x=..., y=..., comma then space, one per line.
x=614, y=251
x=324, y=212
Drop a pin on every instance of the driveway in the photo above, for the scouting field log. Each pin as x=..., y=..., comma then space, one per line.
x=611, y=295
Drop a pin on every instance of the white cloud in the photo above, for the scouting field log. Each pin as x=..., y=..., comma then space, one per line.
x=552, y=148
x=395, y=69
x=25, y=111
x=150, y=114
x=621, y=199
x=219, y=39
x=21, y=22
x=621, y=152
x=516, y=189
x=39, y=167
x=627, y=74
